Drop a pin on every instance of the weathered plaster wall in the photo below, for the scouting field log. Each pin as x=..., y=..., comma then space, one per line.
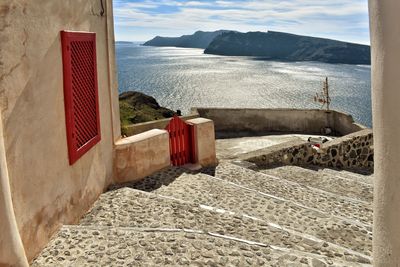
x=247, y=122
x=354, y=152
x=12, y=252
x=385, y=42
x=112, y=71
x=46, y=191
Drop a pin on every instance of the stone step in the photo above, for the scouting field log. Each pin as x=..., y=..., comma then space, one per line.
x=215, y=192
x=335, y=204
x=108, y=246
x=329, y=181
x=127, y=207
x=367, y=178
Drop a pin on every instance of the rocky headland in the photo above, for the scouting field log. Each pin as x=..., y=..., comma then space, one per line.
x=288, y=47
x=136, y=107
x=199, y=39
x=270, y=46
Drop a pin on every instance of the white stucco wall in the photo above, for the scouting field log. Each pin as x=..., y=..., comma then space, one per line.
x=45, y=189
x=385, y=41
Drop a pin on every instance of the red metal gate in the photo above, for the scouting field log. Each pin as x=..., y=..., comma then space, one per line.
x=181, y=136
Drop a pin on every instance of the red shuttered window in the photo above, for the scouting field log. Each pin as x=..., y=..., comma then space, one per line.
x=80, y=92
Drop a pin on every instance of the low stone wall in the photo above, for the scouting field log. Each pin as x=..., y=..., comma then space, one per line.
x=141, y=155
x=147, y=126
x=354, y=152
x=231, y=122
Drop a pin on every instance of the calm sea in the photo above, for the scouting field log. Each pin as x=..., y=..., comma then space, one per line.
x=181, y=78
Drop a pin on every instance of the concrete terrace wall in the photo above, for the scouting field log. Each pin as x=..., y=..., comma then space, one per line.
x=246, y=122
x=46, y=191
x=344, y=123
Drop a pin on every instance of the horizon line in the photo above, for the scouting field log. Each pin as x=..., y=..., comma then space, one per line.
x=346, y=41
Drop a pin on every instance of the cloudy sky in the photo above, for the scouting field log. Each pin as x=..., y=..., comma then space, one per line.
x=141, y=20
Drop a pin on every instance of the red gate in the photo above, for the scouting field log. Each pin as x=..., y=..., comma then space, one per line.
x=181, y=136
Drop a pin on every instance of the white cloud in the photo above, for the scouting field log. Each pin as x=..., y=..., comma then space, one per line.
x=340, y=19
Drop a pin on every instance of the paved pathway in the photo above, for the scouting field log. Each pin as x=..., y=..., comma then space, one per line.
x=233, y=215
x=230, y=148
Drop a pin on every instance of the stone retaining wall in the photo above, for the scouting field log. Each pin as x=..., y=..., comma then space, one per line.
x=354, y=152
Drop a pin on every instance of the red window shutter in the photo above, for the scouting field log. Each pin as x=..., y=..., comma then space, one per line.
x=80, y=92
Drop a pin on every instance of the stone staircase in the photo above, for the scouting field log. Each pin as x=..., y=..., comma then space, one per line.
x=233, y=215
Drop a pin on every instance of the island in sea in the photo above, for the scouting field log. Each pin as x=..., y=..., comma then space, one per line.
x=270, y=45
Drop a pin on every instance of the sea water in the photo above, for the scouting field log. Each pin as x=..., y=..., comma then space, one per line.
x=181, y=78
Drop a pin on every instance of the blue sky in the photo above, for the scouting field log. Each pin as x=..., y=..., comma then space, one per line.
x=141, y=20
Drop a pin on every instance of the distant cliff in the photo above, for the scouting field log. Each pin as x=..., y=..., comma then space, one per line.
x=123, y=42
x=199, y=39
x=284, y=46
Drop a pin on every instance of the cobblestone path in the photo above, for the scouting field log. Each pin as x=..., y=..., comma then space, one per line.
x=233, y=215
